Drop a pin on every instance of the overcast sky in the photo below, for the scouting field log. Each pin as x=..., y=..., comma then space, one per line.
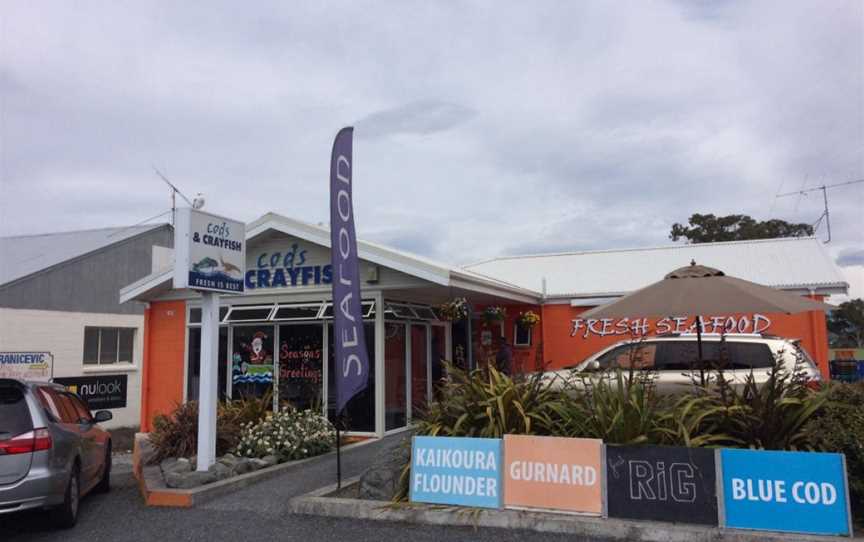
x=482, y=128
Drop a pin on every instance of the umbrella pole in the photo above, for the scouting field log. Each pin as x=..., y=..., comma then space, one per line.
x=699, y=348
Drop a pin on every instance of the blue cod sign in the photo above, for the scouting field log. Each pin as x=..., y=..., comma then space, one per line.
x=456, y=470
x=802, y=492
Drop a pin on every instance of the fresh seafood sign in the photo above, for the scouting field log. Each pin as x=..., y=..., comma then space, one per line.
x=210, y=252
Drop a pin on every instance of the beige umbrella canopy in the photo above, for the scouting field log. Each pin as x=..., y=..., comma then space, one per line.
x=697, y=289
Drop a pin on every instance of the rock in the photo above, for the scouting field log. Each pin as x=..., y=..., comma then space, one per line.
x=243, y=466
x=220, y=470
x=270, y=460
x=175, y=465
x=259, y=464
x=381, y=481
x=146, y=451
x=188, y=480
x=229, y=460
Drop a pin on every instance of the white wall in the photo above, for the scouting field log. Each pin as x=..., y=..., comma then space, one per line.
x=62, y=334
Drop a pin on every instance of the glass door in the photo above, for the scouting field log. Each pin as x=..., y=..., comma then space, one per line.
x=252, y=361
x=193, y=372
x=419, y=369
x=395, y=375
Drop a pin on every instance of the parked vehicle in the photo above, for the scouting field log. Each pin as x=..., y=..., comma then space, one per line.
x=52, y=450
x=672, y=360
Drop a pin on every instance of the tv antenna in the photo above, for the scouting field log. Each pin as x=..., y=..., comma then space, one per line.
x=197, y=204
x=825, y=215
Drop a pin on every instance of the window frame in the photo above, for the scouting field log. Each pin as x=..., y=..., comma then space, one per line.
x=97, y=362
x=516, y=328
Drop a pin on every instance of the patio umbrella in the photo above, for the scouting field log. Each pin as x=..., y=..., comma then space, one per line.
x=696, y=290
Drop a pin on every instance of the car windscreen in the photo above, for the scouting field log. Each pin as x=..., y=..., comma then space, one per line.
x=14, y=412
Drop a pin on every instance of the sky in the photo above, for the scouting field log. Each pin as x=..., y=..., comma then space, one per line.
x=481, y=128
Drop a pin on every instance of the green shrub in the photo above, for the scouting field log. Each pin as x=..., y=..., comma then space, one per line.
x=176, y=434
x=288, y=434
x=489, y=404
x=839, y=427
x=616, y=406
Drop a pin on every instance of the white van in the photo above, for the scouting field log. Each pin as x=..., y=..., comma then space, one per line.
x=672, y=359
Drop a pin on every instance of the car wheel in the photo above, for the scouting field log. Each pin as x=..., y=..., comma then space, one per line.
x=66, y=515
x=104, y=485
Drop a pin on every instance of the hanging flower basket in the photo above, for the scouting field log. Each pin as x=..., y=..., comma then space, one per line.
x=453, y=310
x=494, y=314
x=528, y=319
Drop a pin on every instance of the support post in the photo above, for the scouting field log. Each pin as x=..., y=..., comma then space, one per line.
x=207, y=392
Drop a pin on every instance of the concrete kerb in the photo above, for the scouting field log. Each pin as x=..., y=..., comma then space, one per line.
x=317, y=503
x=156, y=493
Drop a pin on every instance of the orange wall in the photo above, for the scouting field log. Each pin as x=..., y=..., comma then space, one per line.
x=562, y=350
x=164, y=353
x=525, y=358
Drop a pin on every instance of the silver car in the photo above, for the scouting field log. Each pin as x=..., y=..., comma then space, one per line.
x=670, y=359
x=52, y=452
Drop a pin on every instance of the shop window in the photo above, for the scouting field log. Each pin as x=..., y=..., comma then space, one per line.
x=297, y=312
x=195, y=315
x=521, y=335
x=108, y=345
x=425, y=313
x=368, y=310
x=249, y=313
x=193, y=373
x=409, y=312
x=403, y=311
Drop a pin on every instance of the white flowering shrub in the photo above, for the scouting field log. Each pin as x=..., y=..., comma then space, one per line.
x=288, y=434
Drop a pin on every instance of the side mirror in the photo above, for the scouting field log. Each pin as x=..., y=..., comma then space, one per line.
x=102, y=416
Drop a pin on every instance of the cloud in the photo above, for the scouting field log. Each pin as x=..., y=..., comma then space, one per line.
x=422, y=118
x=483, y=129
x=851, y=257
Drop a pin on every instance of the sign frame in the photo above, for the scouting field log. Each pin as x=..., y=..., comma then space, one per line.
x=498, y=445
x=50, y=376
x=190, y=244
x=721, y=497
x=79, y=380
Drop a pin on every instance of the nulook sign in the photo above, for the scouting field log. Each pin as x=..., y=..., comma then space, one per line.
x=802, y=492
x=100, y=392
x=455, y=470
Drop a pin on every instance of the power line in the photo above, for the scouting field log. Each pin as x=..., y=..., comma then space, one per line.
x=823, y=187
x=825, y=215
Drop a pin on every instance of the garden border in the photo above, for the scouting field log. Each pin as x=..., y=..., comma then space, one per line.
x=156, y=493
x=317, y=503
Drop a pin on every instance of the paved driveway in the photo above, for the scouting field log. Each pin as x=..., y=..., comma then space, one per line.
x=255, y=514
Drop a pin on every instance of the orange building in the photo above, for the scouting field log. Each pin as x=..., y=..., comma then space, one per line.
x=276, y=337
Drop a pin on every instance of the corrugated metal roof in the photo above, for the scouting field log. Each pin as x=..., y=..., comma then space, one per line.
x=27, y=254
x=783, y=263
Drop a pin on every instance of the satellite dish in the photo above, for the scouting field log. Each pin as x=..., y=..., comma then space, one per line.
x=198, y=202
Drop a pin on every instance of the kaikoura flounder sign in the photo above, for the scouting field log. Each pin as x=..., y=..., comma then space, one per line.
x=454, y=470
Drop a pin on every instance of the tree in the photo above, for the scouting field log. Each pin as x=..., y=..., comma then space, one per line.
x=710, y=229
x=846, y=324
